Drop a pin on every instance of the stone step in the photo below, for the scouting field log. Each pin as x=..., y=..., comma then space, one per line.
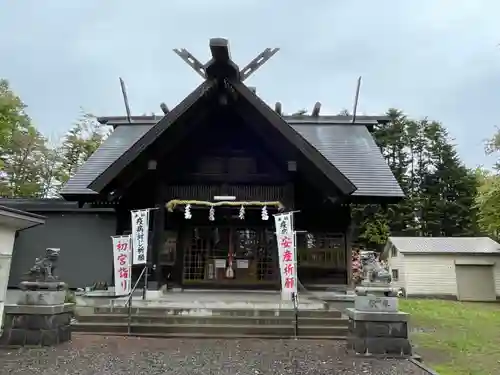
x=199, y=335
x=214, y=330
x=165, y=311
x=231, y=320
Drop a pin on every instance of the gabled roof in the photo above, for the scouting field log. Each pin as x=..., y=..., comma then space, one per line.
x=444, y=245
x=344, y=153
x=149, y=137
x=350, y=146
x=173, y=118
x=291, y=135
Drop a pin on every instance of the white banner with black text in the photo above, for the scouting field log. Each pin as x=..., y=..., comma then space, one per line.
x=140, y=232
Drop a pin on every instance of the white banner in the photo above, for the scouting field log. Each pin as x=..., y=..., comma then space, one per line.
x=284, y=223
x=140, y=232
x=287, y=252
x=122, y=254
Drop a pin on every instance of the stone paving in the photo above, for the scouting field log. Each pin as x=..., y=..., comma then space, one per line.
x=98, y=355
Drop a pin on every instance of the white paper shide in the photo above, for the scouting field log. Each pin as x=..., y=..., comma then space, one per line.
x=287, y=252
x=140, y=232
x=122, y=253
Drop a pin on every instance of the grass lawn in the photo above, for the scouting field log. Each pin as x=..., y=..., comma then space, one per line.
x=456, y=338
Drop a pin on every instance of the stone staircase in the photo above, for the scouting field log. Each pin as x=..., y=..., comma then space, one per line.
x=219, y=314
x=212, y=323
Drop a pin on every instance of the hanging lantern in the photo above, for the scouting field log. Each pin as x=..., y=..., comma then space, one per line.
x=187, y=212
x=211, y=214
x=242, y=213
x=264, y=215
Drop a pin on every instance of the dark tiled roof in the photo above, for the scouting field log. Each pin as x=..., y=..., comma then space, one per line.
x=349, y=147
x=120, y=140
x=352, y=149
x=191, y=104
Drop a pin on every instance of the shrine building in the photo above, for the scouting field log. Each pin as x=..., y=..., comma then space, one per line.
x=215, y=168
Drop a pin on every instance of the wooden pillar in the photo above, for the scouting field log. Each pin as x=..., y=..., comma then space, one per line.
x=348, y=248
x=158, y=234
x=289, y=196
x=178, y=266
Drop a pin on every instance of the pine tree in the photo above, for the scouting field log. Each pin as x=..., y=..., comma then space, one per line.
x=448, y=190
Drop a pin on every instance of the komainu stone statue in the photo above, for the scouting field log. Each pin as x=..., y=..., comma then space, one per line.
x=42, y=315
x=41, y=275
x=373, y=270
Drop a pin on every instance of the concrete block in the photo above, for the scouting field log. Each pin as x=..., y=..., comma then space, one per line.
x=374, y=303
x=42, y=297
x=377, y=316
x=38, y=309
x=385, y=345
x=37, y=325
x=356, y=344
x=16, y=337
x=385, y=329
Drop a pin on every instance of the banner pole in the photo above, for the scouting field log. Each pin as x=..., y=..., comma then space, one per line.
x=144, y=290
x=148, y=258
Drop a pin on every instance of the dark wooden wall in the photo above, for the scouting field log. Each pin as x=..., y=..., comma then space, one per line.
x=228, y=158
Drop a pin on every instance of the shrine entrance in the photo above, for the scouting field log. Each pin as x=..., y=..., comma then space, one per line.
x=230, y=256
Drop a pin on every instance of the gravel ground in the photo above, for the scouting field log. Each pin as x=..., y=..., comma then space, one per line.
x=87, y=355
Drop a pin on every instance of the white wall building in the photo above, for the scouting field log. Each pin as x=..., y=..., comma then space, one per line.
x=463, y=268
x=11, y=220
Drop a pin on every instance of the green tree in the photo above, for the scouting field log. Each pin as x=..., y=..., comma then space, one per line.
x=440, y=191
x=449, y=188
x=21, y=147
x=487, y=203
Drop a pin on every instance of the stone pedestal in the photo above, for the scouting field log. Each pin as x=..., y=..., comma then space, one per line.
x=378, y=332
x=42, y=297
x=36, y=325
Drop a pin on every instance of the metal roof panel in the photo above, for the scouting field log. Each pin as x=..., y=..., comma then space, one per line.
x=119, y=141
x=443, y=245
x=351, y=148
x=353, y=151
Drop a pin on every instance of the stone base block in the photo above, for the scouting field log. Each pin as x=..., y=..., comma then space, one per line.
x=42, y=297
x=378, y=333
x=376, y=304
x=379, y=345
x=378, y=329
x=36, y=325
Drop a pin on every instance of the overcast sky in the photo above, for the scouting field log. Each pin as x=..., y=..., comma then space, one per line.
x=435, y=58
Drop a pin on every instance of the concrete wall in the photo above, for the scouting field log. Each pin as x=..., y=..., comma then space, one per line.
x=85, y=242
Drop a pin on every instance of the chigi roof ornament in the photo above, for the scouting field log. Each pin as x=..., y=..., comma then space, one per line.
x=219, y=47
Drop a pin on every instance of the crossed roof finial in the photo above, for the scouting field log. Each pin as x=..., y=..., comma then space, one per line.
x=219, y=48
